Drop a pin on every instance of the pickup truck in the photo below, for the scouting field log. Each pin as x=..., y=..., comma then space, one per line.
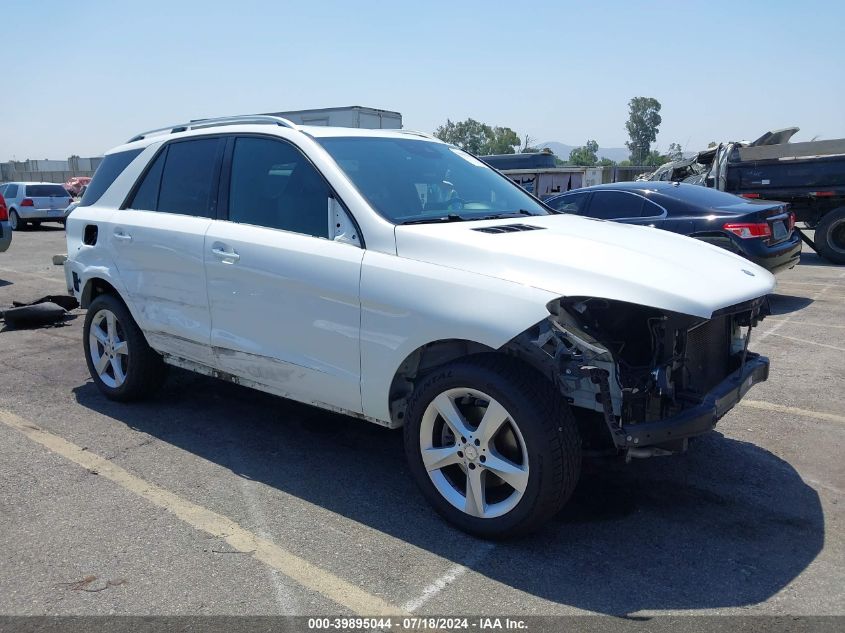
x=809, y=176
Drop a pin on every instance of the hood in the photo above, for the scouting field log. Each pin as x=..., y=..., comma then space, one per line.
x=572, y=256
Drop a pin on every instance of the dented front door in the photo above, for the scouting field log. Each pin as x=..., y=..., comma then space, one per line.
x=285, y=311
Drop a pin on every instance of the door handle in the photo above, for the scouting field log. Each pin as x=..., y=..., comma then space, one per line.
x=123, y=237
x=225, y=254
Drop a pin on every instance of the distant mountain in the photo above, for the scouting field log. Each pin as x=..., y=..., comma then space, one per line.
x=562, y=151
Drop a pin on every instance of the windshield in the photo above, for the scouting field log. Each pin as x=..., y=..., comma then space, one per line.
x=412, y=180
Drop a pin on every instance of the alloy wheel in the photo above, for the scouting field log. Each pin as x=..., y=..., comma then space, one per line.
x=108, y=348
x=474, y=453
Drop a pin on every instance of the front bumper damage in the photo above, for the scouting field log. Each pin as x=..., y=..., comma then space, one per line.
x=650, y=378
x=700, y=418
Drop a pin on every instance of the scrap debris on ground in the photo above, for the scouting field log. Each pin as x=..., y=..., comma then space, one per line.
x=48, y=310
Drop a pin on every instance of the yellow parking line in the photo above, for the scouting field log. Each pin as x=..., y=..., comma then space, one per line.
x=200, y=518
x=779, y=408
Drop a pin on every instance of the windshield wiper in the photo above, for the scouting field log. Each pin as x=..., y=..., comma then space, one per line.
x=452, y=217
x=510, y=214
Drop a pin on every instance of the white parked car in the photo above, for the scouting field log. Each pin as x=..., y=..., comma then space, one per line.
x=35, y=202
x=397, y=279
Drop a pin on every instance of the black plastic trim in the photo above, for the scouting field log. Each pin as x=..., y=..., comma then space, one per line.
x=700, y=418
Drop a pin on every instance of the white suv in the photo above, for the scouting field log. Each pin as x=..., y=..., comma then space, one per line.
x=397, y=279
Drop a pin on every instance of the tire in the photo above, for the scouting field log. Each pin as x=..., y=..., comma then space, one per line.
x=15, y=222
x=538, y=432
x=830, y=236
x=132, y=370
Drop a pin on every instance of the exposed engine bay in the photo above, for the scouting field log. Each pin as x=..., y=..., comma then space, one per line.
x=635, y=364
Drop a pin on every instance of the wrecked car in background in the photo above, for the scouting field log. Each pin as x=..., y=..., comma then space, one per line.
x=395, y=278
x=810, y=176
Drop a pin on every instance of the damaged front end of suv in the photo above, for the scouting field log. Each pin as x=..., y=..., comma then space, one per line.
x=641, y=380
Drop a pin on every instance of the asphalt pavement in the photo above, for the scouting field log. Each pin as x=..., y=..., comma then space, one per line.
x=214, y=499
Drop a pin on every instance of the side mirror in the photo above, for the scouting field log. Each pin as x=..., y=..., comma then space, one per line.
x=341, y=227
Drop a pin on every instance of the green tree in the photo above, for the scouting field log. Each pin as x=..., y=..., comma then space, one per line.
x=642, y=125
x=585, y=155
x=674, y=152
x=469, y=135
x=478, y=138
x=654, y=159
x=501, y=140
x=528, y=146
x=606, y=162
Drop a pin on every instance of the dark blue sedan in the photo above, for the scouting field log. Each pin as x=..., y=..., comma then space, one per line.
x=761, y=231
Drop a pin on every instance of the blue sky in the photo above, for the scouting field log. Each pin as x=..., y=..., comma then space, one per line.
x=85, y=75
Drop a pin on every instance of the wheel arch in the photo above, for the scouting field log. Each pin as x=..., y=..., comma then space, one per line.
x=435, y=354
x=421, y=360
x=94, y=287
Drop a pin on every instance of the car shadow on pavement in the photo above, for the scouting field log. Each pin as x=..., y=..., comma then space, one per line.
x=727, y=524
x=784, y=304
x=811, y=258
x=45, y=227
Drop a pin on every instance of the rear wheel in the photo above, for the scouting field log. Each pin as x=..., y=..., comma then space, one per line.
x=492, y=446
x=830, y=236
x=122, y=364
x=15, y=222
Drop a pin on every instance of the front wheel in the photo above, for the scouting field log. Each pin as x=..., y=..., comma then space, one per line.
x=492, y=446
x=830, y=236
x=124, y=367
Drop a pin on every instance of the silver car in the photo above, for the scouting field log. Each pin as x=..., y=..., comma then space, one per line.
x=35, y=202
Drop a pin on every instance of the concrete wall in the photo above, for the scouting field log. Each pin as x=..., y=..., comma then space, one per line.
x=59, y=177
x=48, y=170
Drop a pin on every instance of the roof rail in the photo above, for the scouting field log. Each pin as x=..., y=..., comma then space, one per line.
x=242, y=119
x=416, y=133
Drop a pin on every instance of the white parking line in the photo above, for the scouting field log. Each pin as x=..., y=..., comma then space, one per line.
x=297, y=569
x=451, y=575
x=787, y=319
x=803, y=340
x=811, y=324
x=779, y=408
x=802, y=283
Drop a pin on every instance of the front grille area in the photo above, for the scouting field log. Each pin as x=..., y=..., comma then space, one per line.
x=708, y=354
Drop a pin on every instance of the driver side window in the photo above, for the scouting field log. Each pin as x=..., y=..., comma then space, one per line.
x=275, y=186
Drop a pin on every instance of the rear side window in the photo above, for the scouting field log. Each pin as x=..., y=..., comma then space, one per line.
x=275, y=186
x=46, y=191
x=651, y=209
x=610, y=205
x=182, y=179
x=574, y=203
x=111, y=167
x=146, y=196
x=11, y=191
